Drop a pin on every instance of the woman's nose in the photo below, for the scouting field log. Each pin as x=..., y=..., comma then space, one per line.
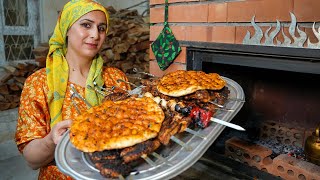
x=95, y=33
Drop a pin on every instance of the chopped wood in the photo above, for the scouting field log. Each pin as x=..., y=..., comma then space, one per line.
x=4, y=89
x=127, y=43
x=4, y=106
x=5, y=77
x=12, y=80
x=14, y=87
x=20, y=79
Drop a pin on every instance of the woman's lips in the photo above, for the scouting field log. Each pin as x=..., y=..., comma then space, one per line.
x=91, y=45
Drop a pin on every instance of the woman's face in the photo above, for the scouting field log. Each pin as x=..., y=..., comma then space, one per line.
x=87, y=34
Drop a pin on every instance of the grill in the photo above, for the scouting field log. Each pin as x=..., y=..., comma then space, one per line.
x=166, y=162
x=281, y=109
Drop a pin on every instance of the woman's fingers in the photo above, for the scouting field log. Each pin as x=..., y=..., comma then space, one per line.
x=59, y=129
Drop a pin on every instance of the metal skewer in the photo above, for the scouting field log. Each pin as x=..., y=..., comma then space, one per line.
x=121, y=80
x=161, y=158
x=194, y=133
x=231, y=125
x=219, y=105
x=136, y=71
x=178, y=141
x=225, y=109
x=73, y=102
x=102, y=88
x=148, y=160
x=77, y=95
x=97, y=90
x=235, y=99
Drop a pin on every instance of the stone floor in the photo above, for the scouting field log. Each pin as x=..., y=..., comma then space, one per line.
x=12, y=164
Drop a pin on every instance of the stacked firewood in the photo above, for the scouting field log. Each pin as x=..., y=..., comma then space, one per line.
x=127, y=43
x=11, y=83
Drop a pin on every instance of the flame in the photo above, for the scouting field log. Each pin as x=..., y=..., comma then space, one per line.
x=298, y=41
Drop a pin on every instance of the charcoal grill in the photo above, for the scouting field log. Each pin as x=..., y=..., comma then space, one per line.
x=168, y=161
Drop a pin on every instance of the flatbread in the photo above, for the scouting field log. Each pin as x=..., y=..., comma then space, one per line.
x=116, y=125
x=180, y=83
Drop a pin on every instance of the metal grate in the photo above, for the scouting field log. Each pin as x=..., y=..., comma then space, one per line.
x=18, y=47
x=15, y=12
x=19, y=29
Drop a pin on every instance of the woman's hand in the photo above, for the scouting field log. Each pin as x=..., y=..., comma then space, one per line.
x=59, y=129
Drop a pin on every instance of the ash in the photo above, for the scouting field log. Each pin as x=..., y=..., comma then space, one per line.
x=279, y=148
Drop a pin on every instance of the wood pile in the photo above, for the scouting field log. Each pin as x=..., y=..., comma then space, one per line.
x=127, y=43
x=11, y=83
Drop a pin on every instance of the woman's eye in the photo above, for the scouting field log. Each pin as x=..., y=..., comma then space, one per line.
x=102, y=28
x=86, y=25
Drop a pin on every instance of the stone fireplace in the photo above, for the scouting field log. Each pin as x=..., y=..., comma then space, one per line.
x=281, y=101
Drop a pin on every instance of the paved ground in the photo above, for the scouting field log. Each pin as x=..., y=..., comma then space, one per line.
x=14, y=166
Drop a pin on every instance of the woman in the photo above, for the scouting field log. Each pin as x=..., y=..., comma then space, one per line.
x=46, y=110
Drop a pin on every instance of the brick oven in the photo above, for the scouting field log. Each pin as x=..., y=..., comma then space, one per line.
x=280, y=83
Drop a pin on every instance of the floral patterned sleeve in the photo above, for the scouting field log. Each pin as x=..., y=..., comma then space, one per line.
x=33, y=118
x=111, y=75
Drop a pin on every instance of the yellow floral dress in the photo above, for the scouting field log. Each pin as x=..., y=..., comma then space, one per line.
x=34, y=118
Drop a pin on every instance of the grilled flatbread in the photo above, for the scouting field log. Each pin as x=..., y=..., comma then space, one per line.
x=180, y=83
x=116, y=125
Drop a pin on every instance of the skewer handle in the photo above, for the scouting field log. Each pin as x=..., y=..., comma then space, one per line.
x=136, y=71
x=121, y=80
x=79, y=96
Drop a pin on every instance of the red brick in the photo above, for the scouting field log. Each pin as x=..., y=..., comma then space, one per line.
x=181, y=13
x=157, y=15
x=220, y=34
x=217, y=12
x=252, y=154
x=187, y=13
x=264, y=11
x=155, y=70
x=307, y=10
x=154, y=2
x=179, y=32
x=291, y=168
x=181, y=58
x=279, y=132
x=154, y=32
x=223, y=34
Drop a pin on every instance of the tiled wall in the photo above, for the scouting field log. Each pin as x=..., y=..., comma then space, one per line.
x=225, y=21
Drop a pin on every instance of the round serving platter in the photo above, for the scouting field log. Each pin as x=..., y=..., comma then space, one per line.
x=167, y=161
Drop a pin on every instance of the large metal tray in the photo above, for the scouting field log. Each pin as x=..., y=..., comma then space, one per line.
x=174, y=158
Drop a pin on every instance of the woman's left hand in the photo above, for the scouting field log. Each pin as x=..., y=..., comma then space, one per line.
x=59, y=129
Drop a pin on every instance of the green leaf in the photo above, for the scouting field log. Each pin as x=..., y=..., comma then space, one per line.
x=173, y=55
x=166, y=54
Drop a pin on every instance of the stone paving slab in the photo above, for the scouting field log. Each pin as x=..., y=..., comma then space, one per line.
x=16, y=168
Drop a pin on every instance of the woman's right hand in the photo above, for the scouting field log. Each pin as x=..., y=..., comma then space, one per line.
x=59, y=129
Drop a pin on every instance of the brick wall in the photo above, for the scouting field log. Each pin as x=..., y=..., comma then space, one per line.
x=224, y=21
